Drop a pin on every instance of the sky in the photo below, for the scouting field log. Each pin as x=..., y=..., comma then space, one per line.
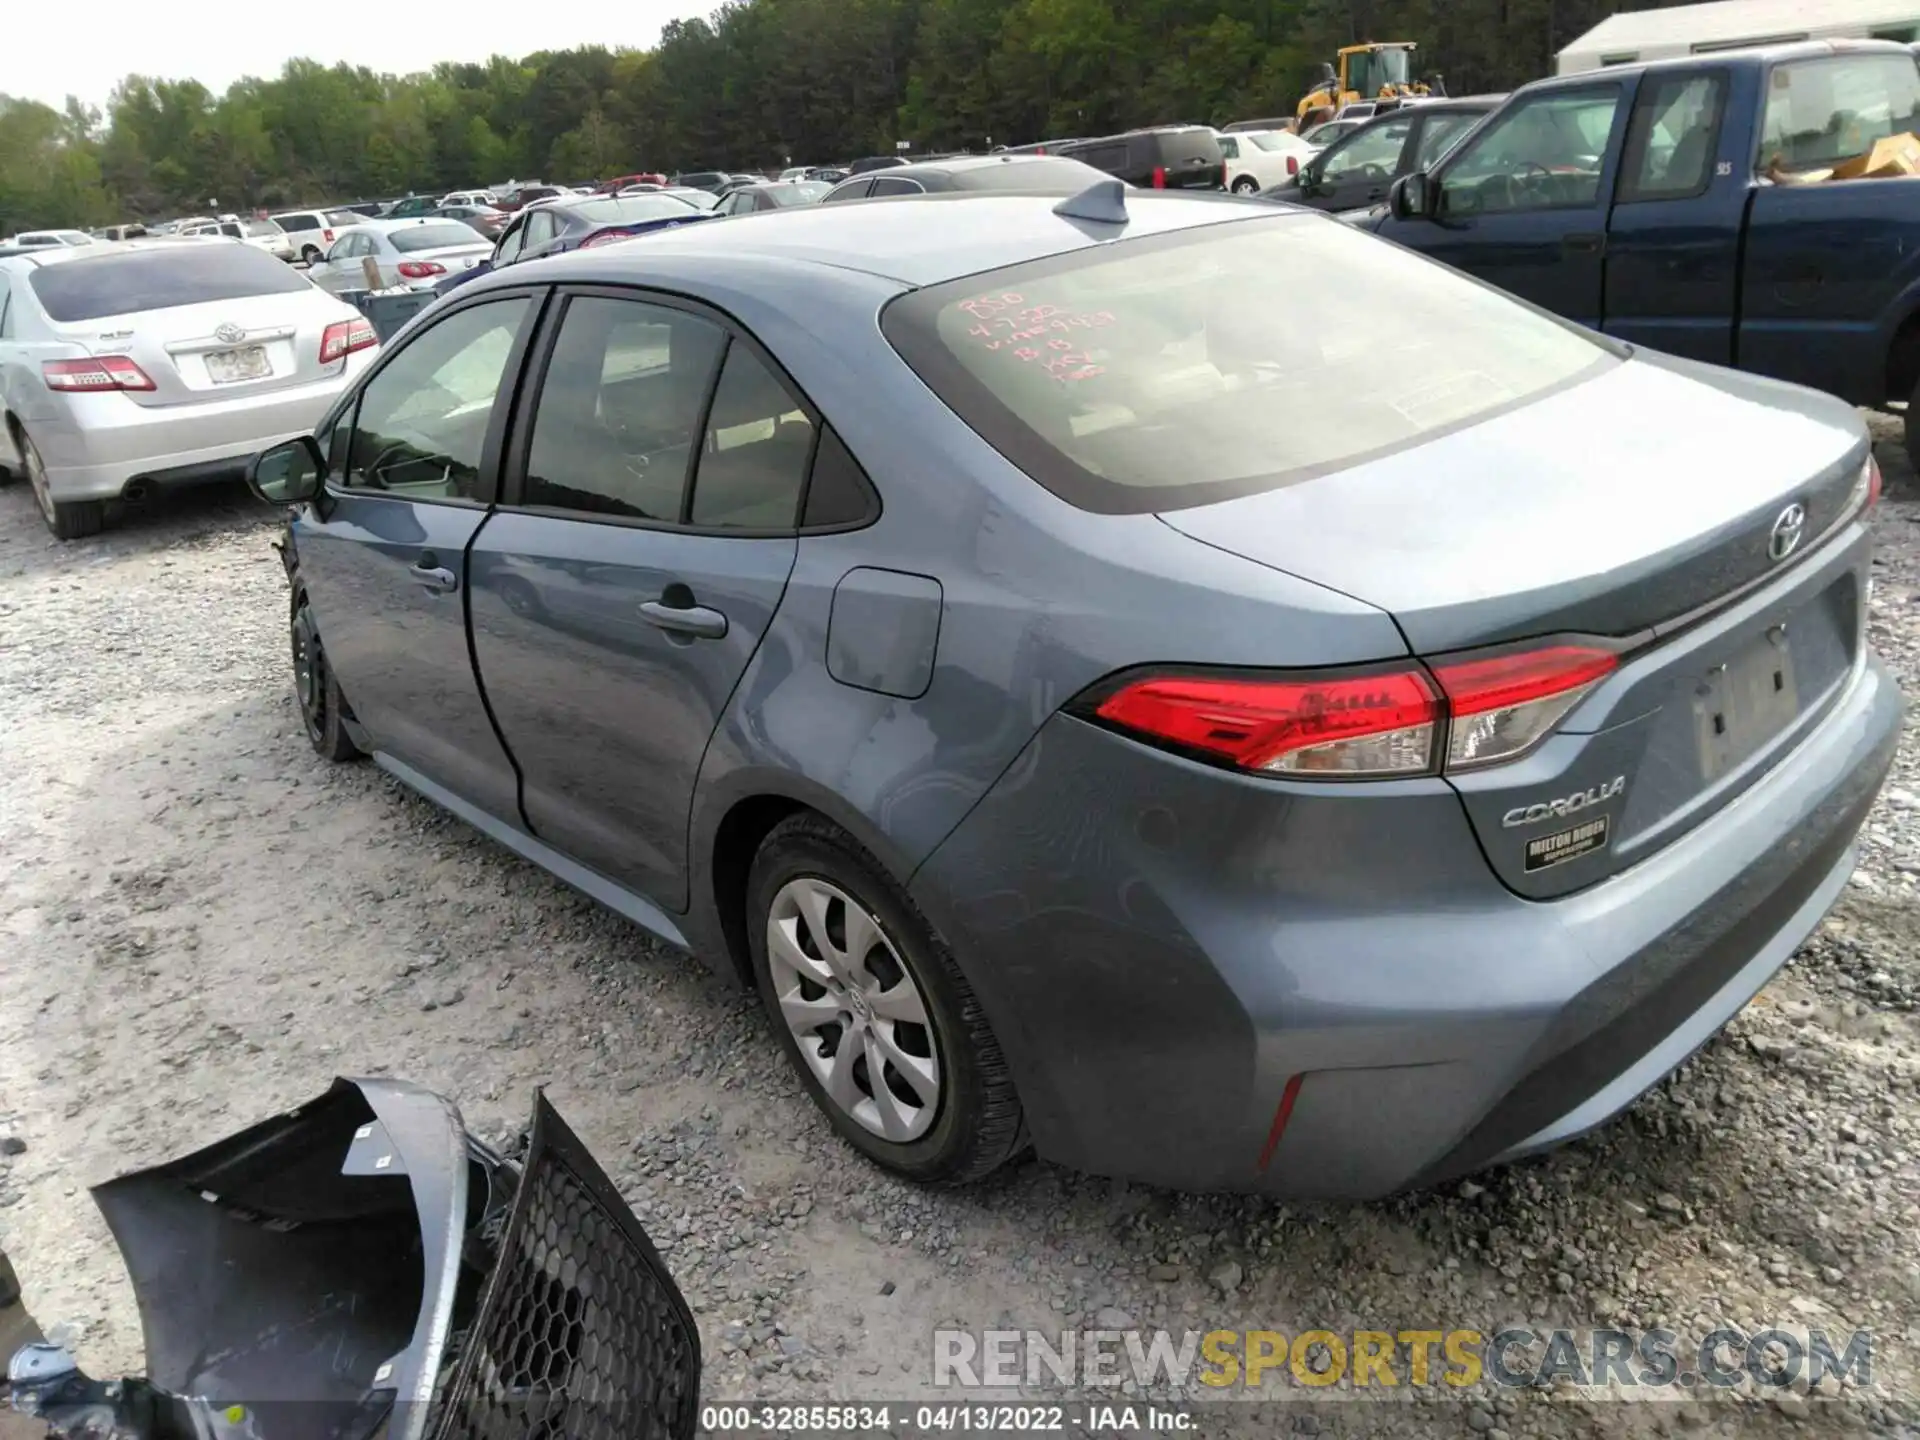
x=218, y=41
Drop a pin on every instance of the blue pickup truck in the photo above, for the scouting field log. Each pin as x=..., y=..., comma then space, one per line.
x=1677, y=206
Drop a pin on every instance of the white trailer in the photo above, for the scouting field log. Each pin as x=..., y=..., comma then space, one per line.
x=1683, y=30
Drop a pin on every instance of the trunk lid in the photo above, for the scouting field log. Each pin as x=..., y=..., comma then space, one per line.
x=1641, y=505
x=1609, y=507
x=221, y=349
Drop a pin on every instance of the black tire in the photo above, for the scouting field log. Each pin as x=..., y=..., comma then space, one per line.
x=315, y=692
x=310, y=254
x=1246, y=185
x=979, y=1124
x=67, y=519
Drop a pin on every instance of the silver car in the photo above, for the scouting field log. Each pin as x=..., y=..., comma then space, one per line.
x=155, y=364
x=415, y=254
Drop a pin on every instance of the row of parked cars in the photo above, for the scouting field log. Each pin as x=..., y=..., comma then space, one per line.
x=663, y=563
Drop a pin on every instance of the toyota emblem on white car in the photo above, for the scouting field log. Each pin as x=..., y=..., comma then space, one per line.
x=229, y=334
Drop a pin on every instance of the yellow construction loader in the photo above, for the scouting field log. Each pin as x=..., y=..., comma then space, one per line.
x=1382, y=71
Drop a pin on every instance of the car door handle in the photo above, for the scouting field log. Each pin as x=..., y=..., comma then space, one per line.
x=1584, y=244
x=696, y=622
x=441, y=582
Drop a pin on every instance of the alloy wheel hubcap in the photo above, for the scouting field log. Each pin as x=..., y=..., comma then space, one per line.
x=855, y=1011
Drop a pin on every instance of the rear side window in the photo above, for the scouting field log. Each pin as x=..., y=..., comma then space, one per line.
x=431, y=237
x=619, y=409
x=1103, y=157
x=1673, y=137
x=103, y=285
x=299, y=222
x=892, y=185
x=753, y=460
x=1177, y=370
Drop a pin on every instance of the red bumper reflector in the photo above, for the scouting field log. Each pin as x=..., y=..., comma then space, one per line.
x=1282, y=1113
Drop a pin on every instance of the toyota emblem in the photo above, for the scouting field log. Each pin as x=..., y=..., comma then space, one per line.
x=229, y=334
x=1784, y=538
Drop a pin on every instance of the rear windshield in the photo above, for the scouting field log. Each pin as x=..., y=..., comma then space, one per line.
x=1039, y=174
x=631, y=209
x=1820, y=112
x=431, y=237
x=338, y=218
x=1183, y=369
x=798, y=192
x=123, y=284
x=263, y=227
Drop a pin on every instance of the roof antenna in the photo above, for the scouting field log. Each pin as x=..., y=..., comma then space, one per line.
x=1104, y=201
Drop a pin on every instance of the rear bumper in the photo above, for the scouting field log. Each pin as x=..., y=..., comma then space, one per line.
x=1162, y=947
x=94, y=446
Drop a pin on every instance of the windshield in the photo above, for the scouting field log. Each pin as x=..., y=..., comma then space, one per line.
x=1369, y=73
x=698, y=199
x=1267, y=142
x=263, y=227
x=128, y=282
x=1174, y=371
x=631, y=209
x=431, y=237
x=1820, y=112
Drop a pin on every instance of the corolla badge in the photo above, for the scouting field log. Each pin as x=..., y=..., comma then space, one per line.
x=1784, y=538
x=229, y=334
x=1565, y=805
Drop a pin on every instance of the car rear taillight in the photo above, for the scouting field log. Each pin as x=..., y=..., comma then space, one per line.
x=343, y=337
x=1866, y=488
x=1293, y=164
x=1504, y=705
x=1362, y=725
x=1349, y=726
x=605, y=237
x=327, y=235
x=94, y=375
x=421, y=269
x=1159, y=177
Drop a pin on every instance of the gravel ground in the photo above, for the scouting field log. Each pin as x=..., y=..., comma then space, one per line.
x=200, y=923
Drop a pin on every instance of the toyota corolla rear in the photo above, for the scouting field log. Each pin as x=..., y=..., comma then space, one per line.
x=161, y=363
x=1475, y=885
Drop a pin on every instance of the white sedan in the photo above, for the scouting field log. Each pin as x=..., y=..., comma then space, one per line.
x=1260, y=159
x=414, y=254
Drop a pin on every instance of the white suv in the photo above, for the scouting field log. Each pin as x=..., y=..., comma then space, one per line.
x=310, y=232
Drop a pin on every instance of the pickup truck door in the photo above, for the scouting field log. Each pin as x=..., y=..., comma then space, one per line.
x=1673, y=242
x=1523, y=201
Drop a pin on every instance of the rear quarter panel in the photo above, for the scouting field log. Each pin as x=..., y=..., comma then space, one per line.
x=1038, y=600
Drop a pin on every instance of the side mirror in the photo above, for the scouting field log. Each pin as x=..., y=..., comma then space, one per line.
x=289, y=473
x=1411, y=196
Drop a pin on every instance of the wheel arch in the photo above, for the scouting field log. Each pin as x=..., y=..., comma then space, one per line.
x=1903, y=356
x=729, y=828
